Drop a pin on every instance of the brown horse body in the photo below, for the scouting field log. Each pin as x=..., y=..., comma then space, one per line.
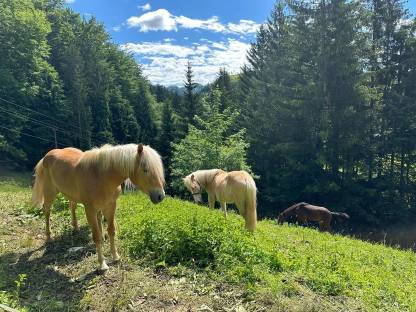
x=305, y=212
x=93, y=178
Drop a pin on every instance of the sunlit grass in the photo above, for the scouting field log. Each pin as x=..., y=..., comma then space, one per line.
x=286, y=260
x=280, y=261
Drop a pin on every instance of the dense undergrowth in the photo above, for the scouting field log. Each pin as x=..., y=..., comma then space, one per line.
x=284, y=260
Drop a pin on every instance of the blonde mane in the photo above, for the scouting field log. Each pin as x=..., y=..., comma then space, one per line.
x=203, y=176
x=123, y=158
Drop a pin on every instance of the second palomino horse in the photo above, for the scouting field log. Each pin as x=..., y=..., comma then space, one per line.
x=236, y=187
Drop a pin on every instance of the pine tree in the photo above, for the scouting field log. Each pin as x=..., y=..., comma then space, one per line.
x=190, y=102
x=223, y=83
x=166, y=138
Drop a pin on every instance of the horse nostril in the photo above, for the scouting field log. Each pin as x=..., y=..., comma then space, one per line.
x=160, y=197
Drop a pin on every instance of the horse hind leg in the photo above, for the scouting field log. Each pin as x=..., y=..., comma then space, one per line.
x=325, y=225
x=49, y=197
x=73, y=207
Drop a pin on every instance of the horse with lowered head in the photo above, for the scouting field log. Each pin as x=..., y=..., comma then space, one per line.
x=305, y=212
x=93, y=178
x=236, y=187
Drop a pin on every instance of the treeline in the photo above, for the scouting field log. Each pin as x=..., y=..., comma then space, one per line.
x=324, y=111
x=60, y=77
x=329, y=104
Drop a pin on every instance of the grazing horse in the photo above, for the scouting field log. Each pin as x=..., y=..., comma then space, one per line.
x=226, y=187
x=305, y=212
x=93, y=178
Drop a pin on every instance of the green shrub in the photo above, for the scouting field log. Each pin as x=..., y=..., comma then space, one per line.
x=284, y=259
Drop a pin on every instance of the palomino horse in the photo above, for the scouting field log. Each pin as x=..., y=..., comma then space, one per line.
x=93, y=178
x=226, y=187
x=305, y=212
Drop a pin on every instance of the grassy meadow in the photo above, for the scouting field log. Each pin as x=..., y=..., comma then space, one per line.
x=178, y=256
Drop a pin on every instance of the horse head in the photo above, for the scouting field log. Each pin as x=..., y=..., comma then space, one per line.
x=193, y=186
x=148, y=173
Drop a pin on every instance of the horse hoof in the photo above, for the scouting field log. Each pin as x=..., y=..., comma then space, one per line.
x=116, y=259
x=104, y=268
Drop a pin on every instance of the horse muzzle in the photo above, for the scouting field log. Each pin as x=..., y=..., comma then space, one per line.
x=156, y=196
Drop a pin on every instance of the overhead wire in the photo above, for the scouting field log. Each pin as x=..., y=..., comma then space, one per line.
x=30, y=135
x=42, y=123
x=36, y=112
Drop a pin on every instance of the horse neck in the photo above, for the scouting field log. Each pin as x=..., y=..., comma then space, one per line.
x=113, y=176
x=208, y=178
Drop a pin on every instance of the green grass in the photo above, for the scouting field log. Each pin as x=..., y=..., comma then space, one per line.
x=282, y=260
x=297, y=268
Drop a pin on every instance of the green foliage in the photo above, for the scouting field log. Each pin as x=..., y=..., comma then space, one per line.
x=213, y=143
x=328, y=109
x=12, y=299
x=61, y=74
x=282, y=259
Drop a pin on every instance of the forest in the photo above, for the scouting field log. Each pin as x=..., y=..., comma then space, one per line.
x=324, y=111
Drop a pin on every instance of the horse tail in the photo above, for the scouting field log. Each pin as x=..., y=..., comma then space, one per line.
x=251, y=205
x=340, y=216
x=37, y=190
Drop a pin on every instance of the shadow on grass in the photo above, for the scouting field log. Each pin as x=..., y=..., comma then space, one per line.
x=46, y=287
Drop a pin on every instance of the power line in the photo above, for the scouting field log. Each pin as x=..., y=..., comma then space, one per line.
x=31, y=110
x=55, y=128
x=29, y=135
x=41, y=123
x=30, y=119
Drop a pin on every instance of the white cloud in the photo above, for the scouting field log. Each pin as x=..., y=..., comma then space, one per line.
x=69, y=1
x=165, y=63
x=156, y=20
x=162, y=19
x=209, y=24
x=116, y=28
x=244, y=26
x=145, y=7
x=147, y=49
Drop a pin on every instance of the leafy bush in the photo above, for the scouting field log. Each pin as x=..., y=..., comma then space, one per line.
x=212, y=144
x=282, y=259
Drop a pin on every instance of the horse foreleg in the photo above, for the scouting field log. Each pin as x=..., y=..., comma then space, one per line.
x=96, y=236
x=73, y=207
x=100, y=225
x=303, y=221
x=109, y=215
x=224, y=209
x=211, y=201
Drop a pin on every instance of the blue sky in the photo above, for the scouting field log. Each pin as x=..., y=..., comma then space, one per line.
x=164, y=34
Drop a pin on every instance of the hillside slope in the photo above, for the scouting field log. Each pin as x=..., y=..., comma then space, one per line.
x=182, y=257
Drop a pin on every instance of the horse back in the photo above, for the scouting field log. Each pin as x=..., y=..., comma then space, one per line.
x=240, y=178
x=68, y=156
x=314, y=213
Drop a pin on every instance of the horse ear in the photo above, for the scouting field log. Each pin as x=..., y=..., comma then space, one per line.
x=140, y=148
x=192, y=178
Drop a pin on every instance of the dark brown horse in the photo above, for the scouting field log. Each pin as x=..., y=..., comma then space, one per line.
x=305, y=212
